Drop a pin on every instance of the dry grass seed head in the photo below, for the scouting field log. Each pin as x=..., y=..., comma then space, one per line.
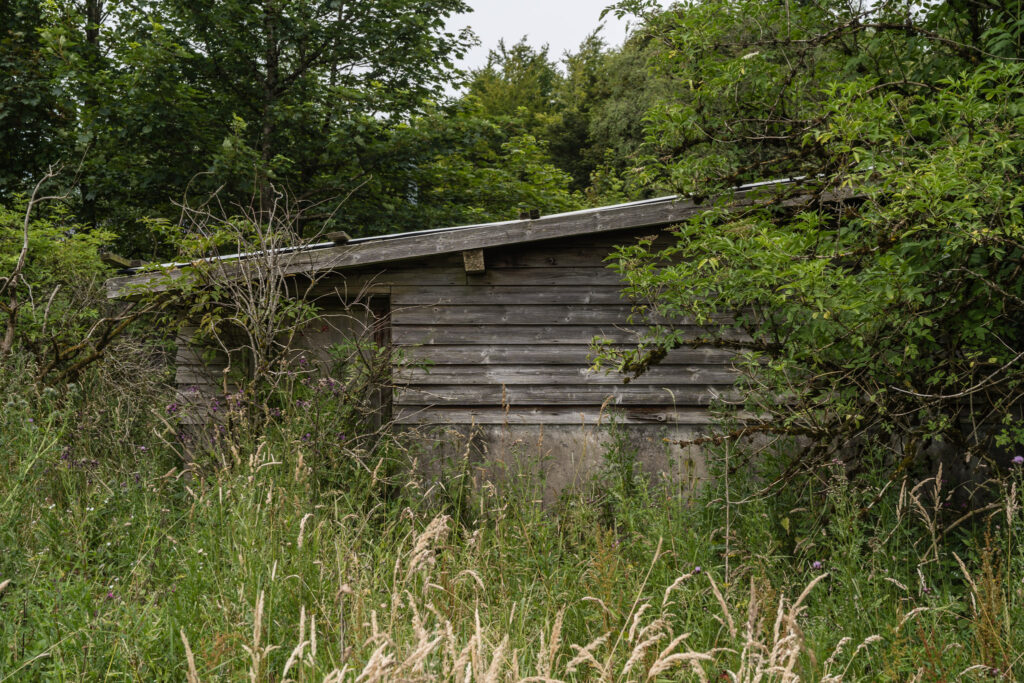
x=422, y=555
x=258, y=653
x=377, y=666
x=636, y=621
x=729, y=623
x=555, y=641
x=675, y=586
x=302, y=528
x=497, y=659
x=191, y=676
x=654, y=632
x=585, y=655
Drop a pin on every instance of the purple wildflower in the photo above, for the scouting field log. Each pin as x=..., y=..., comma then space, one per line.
x=1018, y=460
x=816, y=565
x=697, y=569
x=31, y=420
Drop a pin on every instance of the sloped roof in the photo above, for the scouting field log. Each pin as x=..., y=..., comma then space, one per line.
x=382, y=249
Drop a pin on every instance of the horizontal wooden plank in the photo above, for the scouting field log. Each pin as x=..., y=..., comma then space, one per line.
x=387, y=280
x=337, y=292
x=516, y=277
x=560, y=354
x=550, y=256
x=527, y=314
x=481, y=314
x=472, y=294
x=199, y=376
x=197, y=384
x=556, y=375
x=561, y=374
x=200, y=358
x=658, y=212
x=572, y=394
x=407, y=335
x=567, y=415
x=506, y=277
x=585, y=251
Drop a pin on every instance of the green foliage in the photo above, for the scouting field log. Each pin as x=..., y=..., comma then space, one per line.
x=750, y=80
x=31, y=109
x=882, y=294
x=613, y=90
x=340, y=106
x=169, y=99
x=516, y=78
x=453, y=166
x=588, y=109
x=65, y=274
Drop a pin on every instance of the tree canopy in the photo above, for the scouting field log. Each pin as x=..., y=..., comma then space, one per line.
x=881, y=289
x=348, y=108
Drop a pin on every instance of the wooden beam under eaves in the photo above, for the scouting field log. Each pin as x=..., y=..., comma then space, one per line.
x=473, y=260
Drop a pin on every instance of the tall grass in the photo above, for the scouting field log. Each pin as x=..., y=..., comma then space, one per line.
x=275, y=565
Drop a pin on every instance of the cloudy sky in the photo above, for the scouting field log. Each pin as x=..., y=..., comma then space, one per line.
x=562, y=24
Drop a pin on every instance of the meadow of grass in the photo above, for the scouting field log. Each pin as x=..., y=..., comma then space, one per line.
x=285, y=555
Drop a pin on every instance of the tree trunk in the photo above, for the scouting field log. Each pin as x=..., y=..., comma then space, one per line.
x=271, y=81
x=93, y=20
x=7, y=343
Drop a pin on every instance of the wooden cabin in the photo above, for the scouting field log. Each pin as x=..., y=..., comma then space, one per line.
x=498, y=322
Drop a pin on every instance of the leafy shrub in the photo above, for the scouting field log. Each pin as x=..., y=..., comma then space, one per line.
x=883, y=302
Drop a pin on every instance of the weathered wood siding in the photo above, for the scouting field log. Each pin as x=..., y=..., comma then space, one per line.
x=512, y=345
x=199, y=377
x=497, y=364
x=509, y=345
x=202, y=373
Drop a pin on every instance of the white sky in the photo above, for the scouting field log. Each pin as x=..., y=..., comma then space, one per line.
x=562, y=24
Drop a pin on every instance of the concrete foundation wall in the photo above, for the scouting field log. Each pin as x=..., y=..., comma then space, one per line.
x=546, y=460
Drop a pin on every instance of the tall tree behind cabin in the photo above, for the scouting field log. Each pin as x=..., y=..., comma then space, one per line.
x=188, y=96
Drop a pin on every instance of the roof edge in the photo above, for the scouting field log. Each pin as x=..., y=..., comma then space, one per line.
x=368, y=251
